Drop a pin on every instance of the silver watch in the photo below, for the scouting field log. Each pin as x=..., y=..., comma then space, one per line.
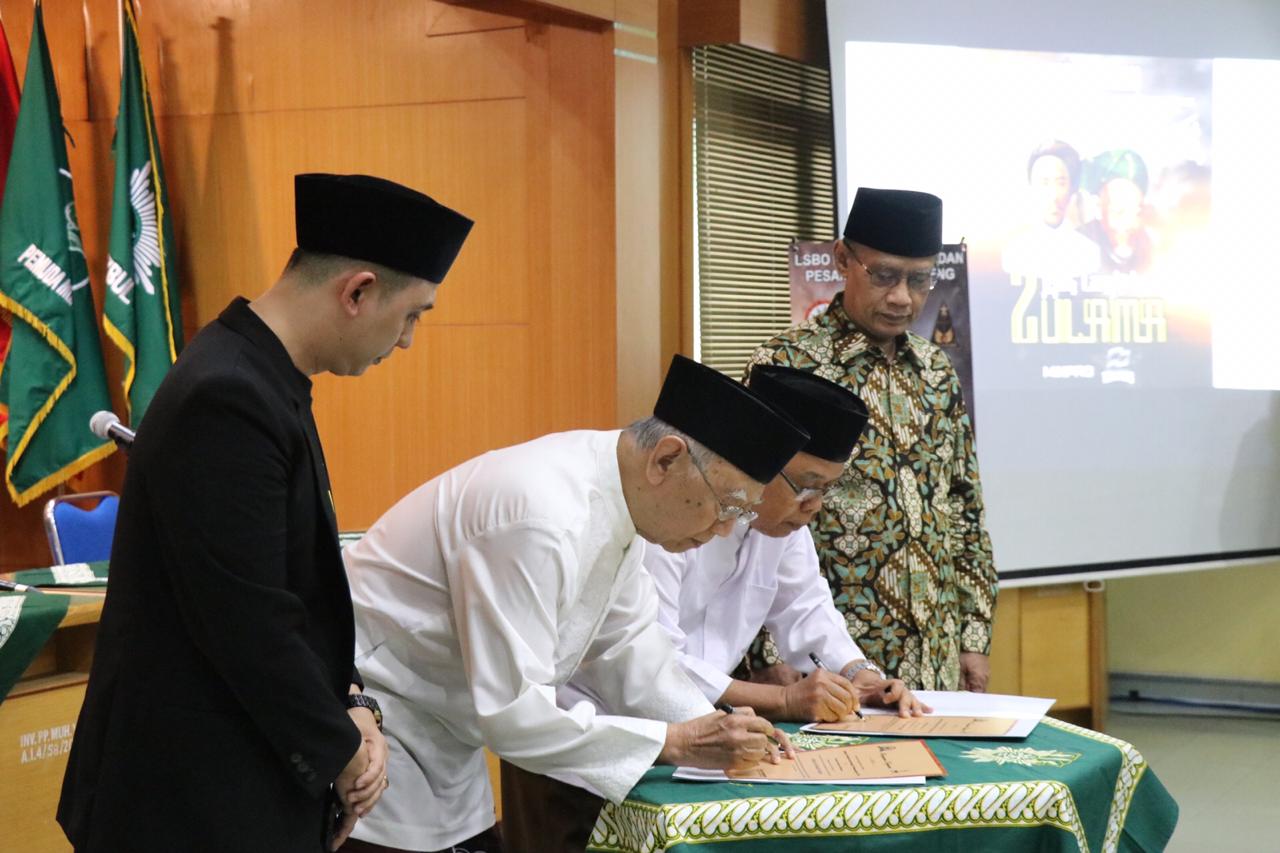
x=854, y=668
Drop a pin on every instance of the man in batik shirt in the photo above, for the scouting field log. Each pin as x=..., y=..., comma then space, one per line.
x=901, y=539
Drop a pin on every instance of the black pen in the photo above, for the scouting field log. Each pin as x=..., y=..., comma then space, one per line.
x=728, y=709
x=817, y=661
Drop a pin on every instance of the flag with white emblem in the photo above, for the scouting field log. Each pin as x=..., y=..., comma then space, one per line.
x=52, y=380
x=142, y=315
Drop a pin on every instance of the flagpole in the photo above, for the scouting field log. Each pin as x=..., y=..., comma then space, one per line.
x=88, y=53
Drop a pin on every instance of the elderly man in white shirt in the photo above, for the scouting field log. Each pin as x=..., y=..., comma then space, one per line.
x=484, y=590
x=715, y=598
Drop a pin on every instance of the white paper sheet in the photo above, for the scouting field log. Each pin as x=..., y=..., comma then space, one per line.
x=697, y=774
x=1027, y=710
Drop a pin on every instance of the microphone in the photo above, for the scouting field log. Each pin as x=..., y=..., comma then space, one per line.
x=105, y=424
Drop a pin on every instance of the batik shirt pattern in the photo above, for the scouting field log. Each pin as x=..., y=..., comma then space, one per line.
x=902, y=537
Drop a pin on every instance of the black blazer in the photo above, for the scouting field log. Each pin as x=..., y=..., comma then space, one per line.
x=214, y=718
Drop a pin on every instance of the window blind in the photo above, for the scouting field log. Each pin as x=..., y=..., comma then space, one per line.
x=764, y=174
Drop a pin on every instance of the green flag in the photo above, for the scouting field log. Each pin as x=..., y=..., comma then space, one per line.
x=142, y=315
x=53, y=379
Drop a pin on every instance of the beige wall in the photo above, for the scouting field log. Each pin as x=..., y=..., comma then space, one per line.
x=1216, y=623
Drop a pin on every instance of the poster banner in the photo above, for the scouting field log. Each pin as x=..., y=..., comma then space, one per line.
x=944, y=320
x=815, y=280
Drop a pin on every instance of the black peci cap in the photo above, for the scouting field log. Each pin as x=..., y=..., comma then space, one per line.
x=372, y=219
x=728, y=418
x=898, y=222
x=833, y=416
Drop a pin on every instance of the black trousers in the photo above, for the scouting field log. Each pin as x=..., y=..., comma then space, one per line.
x=541, y=815
x=488, y=841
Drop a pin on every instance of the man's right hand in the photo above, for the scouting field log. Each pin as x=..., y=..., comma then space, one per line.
x=820, y=696
x=720, y=741
x=344, y=785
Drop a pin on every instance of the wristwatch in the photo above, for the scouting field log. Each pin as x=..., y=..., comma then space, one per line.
x=854, y=668
x=359, y=700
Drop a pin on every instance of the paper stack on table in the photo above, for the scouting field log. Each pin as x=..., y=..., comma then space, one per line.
x=897, y=763
x=956, y=714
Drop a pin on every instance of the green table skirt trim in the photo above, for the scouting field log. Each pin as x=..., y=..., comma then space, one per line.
x=1132, y=766
x=646, y=828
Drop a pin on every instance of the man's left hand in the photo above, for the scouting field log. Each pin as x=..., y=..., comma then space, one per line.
x=975, y=669
x=885, y=692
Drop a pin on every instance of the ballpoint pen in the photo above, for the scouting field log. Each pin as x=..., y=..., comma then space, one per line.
x=728, y=709
x=817, y=661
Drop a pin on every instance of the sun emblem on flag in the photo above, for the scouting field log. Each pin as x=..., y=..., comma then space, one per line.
x=1027, y=757
x=146, y=236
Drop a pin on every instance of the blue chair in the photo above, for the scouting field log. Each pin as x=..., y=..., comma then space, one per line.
x=80, y=527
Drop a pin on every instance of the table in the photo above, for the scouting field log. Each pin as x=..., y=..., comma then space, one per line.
x=46, y=646
x=1063, y=788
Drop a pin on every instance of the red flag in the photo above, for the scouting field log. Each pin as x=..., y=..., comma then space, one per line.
x=9, y=98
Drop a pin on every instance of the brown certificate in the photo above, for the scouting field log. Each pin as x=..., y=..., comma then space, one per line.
x=921, y=726
x=847, y=763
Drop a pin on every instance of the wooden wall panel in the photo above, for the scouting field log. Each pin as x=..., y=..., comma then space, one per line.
x=237, y=193
x=793, y=28
x=638, y=126
x=464, y=19
x=363, y=54
x=1055, y=644
x=458, y=392
x=577, y=328
x=1006, y=644
x=508, y=120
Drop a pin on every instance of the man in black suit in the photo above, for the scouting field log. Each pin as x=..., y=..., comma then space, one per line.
x=223, y=710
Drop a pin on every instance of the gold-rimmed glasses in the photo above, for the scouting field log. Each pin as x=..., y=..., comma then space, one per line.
x=886, y=277
x=727, y=511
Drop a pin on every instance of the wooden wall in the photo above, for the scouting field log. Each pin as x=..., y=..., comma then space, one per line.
x=501, y=110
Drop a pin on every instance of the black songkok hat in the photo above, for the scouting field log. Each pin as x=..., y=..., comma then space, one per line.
x=896, y=222
x=833, y=416
x=371, y=219
x=728, y=418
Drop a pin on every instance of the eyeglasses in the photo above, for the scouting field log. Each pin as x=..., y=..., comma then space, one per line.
x=728, y=512
x=808, y=493
x=919, y=282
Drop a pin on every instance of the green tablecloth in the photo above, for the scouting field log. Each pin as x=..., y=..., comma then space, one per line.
x=27, y=620
x=1064, y=788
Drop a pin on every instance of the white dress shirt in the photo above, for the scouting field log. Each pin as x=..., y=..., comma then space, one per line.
x=715, y=598
x=480, y=593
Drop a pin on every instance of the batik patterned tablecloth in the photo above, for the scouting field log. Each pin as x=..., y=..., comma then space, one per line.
x=1064, y=788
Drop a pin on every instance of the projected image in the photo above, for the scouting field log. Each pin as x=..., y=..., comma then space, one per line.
x=1083, y=185
x=1119, y=213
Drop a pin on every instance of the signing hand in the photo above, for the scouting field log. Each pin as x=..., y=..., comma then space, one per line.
x=721, y=741
x=821, y=696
